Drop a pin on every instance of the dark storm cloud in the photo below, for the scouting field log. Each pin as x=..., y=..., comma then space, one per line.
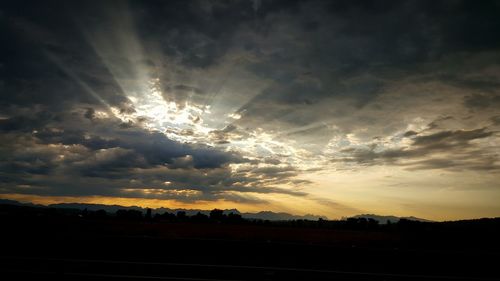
x=482, y=101
x=495, y=120
x=63, y=64
x=450, y=138
x=483, y=83
x=199, y=34
x=436, y=123
x=344, y=59
x=27, y=122
x=100, y=158
x=441, y=150
x=410, y=133
x=78, y=170
x=275, y=172
x=156, y=148
x=479, y=163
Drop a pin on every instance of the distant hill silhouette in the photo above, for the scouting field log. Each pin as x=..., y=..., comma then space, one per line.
x=392, y=219
x=16, y=203
x=95, y=207
x=272, y=216
x=264, y=215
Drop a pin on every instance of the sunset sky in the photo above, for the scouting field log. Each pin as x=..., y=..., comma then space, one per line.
x=332, y=108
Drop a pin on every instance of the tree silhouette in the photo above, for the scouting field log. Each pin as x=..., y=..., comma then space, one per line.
x=217, y=215
x=181, y=216
x=199, y=217
x=129, y=214
x=234, y=218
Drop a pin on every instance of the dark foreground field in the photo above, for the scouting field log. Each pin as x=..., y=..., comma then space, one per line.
x=79, y=248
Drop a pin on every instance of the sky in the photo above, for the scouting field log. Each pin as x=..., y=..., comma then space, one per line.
x=333, y=108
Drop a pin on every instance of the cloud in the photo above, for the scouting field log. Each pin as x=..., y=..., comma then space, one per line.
x=455, y=150
x=450, y=138
x=482, y=101
x=101, y=158
x=239, y=100
x=495, y=120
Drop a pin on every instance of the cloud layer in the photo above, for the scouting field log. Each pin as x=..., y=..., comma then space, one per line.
x=244, y=101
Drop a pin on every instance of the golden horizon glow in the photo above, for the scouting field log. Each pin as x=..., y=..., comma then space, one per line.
x=435, y=211
x=127, y=202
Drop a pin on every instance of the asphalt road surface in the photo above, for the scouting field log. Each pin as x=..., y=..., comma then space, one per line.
x=78, y=269
x=145, y=258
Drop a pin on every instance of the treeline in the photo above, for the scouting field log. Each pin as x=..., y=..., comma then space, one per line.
x=217, y=216
x=214, y=216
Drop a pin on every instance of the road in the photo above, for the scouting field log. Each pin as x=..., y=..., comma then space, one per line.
x=69, y=249
x=88, y=269
x=144, y=258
